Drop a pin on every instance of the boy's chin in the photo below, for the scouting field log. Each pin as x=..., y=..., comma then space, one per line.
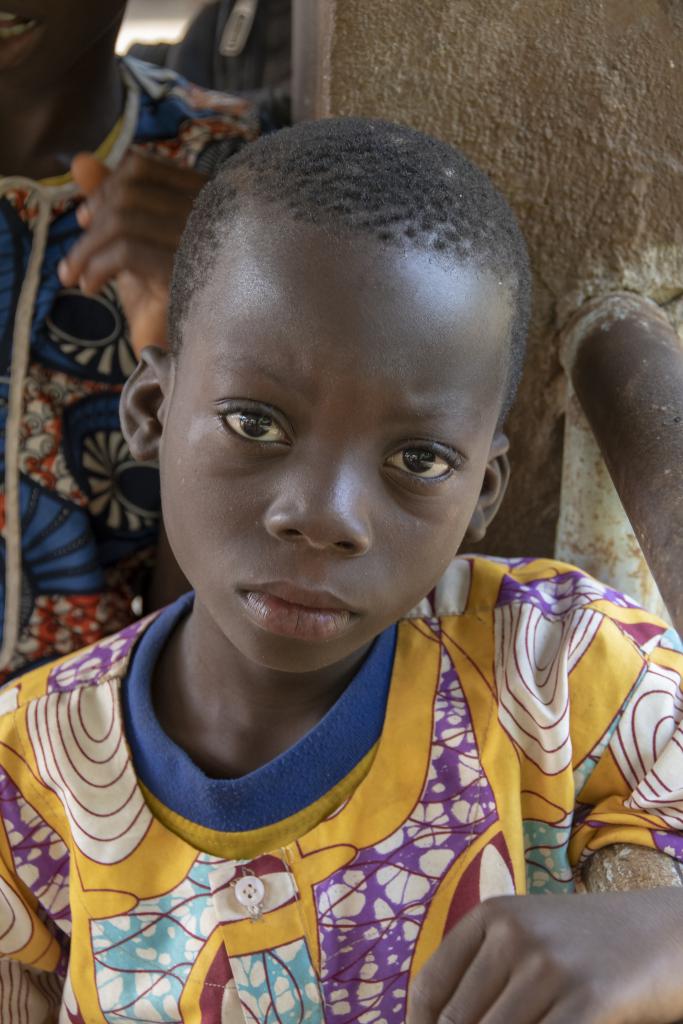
x=295, y=655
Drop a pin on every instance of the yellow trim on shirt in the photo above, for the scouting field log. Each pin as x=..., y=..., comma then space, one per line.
x=102, y=152
x=253, y=843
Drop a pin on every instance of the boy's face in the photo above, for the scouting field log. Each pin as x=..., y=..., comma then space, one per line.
x=45, y=38
x=326, y=430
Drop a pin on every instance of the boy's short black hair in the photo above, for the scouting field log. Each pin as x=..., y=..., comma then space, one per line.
x=354, y=174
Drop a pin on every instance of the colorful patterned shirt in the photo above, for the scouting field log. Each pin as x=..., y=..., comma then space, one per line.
x=522, y=717
x=78, y=518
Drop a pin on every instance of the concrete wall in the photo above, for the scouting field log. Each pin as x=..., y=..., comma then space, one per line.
x=575, y=109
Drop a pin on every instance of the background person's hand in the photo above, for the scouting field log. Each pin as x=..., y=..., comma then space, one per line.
x=132, y=220
x=612, y=958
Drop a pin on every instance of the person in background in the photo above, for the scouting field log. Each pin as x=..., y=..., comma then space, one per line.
x=237, y=46
x=83, y=286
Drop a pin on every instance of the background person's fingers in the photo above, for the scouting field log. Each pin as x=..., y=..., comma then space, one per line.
x=163, y=202
x=124, y=254
x=97, y=184
x=139, y=229
x=83, y=216
x=88, y=172
x=145, y=198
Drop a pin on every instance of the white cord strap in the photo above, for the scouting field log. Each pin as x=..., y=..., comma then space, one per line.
x=46, y=197
x=21, y=345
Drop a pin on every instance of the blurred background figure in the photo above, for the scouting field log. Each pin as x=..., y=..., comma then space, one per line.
x=234, y=46
x=102, y=157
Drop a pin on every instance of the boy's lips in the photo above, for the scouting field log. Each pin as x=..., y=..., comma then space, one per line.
x=18, y=35
x=288, y=610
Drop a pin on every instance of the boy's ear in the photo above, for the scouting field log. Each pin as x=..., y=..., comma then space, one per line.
x=493, y=489
x=143, y=400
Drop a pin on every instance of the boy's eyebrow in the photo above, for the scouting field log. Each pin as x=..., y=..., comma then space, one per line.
x=417, y=405
x=283, y=381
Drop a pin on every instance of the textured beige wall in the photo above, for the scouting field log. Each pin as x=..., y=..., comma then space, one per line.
x=575, y=109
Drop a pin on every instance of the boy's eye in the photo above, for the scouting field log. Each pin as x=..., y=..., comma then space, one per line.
x=255, y=426
x=422, y=462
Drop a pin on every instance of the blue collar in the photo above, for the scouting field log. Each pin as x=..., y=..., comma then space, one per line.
x=291, y=782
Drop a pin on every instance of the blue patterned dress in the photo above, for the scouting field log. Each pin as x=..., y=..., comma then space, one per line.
x=78, y=518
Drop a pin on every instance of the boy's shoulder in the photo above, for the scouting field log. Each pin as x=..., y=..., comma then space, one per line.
x=89, y=667
x=513, y=589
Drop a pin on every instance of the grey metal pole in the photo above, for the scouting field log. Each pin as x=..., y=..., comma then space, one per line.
x=625, y=361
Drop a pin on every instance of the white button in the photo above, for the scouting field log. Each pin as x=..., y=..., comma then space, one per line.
x=250, y=891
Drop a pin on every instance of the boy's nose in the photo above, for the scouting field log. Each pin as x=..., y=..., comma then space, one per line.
x=321, y=517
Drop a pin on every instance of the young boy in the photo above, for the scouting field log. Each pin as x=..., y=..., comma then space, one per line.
x=78, y=521
x=287, y=797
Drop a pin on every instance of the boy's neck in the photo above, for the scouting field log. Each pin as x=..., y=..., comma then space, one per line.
x=230, y=715
x=43, y=131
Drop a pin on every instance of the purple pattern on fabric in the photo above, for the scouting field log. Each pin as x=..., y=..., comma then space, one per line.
x=560, y=594
x=40, y=856
x=371, y=911
x=90, y=665
x=670, y=843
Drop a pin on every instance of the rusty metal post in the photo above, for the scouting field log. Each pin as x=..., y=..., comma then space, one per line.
x=625, y=363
